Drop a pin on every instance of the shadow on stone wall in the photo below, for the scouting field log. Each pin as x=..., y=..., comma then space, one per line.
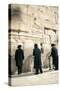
x=28, y=64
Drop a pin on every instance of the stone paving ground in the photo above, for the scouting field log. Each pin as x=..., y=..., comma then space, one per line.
x=28, y=79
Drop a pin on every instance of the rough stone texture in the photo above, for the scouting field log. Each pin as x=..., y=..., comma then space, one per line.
x=33, y=24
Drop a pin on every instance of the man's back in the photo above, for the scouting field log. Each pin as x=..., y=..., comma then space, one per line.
x=54, y=52
x=19, y=56
x=37, y=51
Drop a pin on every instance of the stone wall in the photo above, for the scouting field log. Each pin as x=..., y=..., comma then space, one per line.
x=32, y=24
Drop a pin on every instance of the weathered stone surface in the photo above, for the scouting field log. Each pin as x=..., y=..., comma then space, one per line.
x=33, y=24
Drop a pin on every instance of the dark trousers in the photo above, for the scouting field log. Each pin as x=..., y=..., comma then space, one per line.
x=55, y=62
x=19, y=69
x=56, y=65
x=37, y=70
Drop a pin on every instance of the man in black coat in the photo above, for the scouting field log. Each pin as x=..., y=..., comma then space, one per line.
x=19, y=57
x=37, y=59
x=54, y=55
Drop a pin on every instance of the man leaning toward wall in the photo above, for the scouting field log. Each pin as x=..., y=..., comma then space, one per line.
x=54, y=54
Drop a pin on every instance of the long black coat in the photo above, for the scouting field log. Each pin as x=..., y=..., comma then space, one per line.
x=54, y=55
x=19, y=56
x=37, y=57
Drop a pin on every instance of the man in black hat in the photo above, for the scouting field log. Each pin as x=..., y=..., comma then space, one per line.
x=37, y=59
x=19, y=57
x=54, y=54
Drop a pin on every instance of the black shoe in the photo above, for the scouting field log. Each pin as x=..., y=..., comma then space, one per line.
x=41, y=72
x=36, y=73
x=56, y=69
x=19, y=73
